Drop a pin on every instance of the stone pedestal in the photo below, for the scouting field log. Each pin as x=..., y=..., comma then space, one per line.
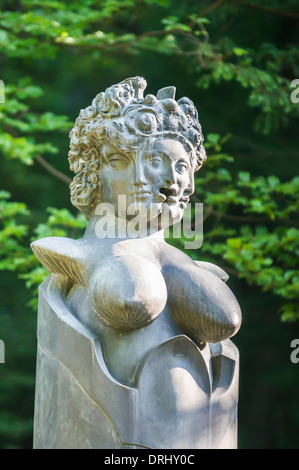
x=183, y=398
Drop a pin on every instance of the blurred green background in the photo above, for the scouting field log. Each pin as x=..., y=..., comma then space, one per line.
x=236, y=60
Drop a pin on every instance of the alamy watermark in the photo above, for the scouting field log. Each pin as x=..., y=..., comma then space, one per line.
x=2, y=352
x=137, y=219
x=295, y=353
x=294, y=97
x=2, y=91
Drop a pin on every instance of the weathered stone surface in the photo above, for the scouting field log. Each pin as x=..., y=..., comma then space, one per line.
x=133, y=335
x=183, y=397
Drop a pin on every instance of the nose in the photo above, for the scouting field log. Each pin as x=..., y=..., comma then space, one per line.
x=139, y=178
x=169, y=176
x=190, y=188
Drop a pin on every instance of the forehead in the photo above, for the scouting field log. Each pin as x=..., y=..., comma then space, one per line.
x=168, y=147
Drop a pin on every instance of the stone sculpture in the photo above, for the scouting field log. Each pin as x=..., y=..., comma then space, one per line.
x=133, y=335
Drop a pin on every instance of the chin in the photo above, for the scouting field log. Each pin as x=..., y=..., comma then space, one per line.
x=176, y=213
x=172, y=214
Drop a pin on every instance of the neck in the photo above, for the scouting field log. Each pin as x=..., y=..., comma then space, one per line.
x=116, y=228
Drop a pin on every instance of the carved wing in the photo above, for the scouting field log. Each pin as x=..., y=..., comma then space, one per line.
x=61, y=256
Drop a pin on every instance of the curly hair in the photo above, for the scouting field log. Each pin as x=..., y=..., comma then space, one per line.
x=122, y=116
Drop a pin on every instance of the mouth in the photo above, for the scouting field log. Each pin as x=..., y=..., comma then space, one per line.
x=139, y=193
x=184, y=201
x=168, y=194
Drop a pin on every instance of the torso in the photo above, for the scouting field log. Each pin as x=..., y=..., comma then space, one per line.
x=136, y=294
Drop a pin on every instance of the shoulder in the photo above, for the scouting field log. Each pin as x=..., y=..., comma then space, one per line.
x=61, y=256
x=174, y=257
x=213, y=268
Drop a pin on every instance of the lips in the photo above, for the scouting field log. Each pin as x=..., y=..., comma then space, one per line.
x=140, y=193
x=184, y=199
x=168, y=192
x=168, y=195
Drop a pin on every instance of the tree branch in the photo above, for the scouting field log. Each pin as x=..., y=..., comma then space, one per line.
x=212, y=7
x=52, y=170
x=287, y=14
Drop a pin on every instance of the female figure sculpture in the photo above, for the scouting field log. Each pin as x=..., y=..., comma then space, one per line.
x=153, y=324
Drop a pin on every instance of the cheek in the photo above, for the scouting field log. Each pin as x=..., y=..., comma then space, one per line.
x=153, y=174
x=183, y=180
x=115, y=182
x=109, y=192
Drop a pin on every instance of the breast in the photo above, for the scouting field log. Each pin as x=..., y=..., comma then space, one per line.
x=202, y=304
x=128, y=292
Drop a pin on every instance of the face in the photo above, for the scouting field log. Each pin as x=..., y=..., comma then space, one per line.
x=155, y=175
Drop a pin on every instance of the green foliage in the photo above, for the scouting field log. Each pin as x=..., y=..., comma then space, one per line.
x=15, y=253
x=42, y=28
x=19, y=123
x=262, y=242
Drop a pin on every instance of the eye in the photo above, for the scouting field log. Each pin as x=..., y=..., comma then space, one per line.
x=155, y=161
x=181, y=166
x=117, y=162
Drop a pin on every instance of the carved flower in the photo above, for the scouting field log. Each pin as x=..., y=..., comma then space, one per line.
x=141, y=121
x=110, y=102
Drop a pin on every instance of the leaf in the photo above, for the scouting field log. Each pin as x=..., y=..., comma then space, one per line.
x=239, y=51
x=234, y=242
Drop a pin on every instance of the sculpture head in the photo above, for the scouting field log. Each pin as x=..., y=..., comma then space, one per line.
x=145, y=148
